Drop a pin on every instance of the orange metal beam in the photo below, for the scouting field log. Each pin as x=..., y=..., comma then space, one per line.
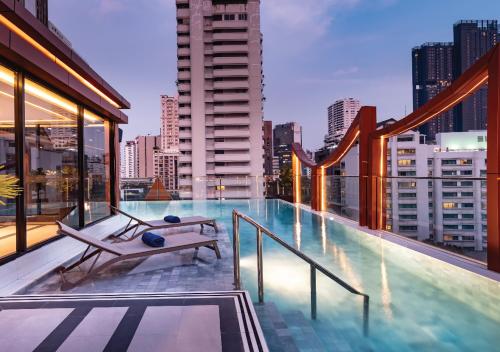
x=362, y=125
x=373, y=149
x=493, y=165
x=368, y=124
x=296, y=174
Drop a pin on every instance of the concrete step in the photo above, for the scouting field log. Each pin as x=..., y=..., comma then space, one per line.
x=288, y=332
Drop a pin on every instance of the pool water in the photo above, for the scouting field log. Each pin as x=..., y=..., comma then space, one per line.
x=417, y=303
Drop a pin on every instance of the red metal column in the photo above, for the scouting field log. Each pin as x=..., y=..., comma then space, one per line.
x=377, y=168
x=316, y=189
x=367, y=124
x=493, y=165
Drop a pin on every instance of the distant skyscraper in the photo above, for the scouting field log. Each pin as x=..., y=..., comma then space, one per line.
x=340, y=116
x=219, y=51
x=268, y=148
x=472, y=39
x=169, y=129
x=130, y=160
x=432, y=67
x=165, y=168
x=284, y=136
x=146, y=146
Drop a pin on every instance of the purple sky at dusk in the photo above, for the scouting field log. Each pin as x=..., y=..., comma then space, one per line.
x=315, y=51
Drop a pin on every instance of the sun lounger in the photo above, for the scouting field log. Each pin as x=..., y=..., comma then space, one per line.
x=160, y=224
x=127, y=250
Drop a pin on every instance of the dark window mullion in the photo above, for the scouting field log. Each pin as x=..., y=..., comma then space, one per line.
x=113, y=173
x=81, y=170
x=20, y=153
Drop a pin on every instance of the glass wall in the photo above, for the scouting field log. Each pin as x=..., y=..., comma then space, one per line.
x=7, y=161
x=96, y=167
x=50, y=162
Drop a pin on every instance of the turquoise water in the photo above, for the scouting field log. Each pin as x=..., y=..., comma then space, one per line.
x=417, y=303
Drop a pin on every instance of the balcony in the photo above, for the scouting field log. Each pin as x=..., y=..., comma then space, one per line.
x=184, y=87
x=231, y=133
x=185, y=110
x=182, y=40
x=222, y=49
x=232, y=145
x=184, y=99
x=184, y=63
x=230, y=60
x=184, y=75
x=182, y=28
x=233, y=170
x=231, y=97
x=183, y=52
x=230, y=36
x=231, y=109
x=231, y=84
x=232, y=157
x=231, y=73
x=231, y=121
x=185, y=134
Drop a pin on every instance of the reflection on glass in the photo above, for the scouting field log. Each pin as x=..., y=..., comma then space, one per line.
x=297, y=229
x=7, y=160
x=51, y=162
x=96, y=167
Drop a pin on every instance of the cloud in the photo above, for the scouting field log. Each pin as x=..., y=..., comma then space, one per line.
x=110, y=6
x=346, y=71
x=309, y=17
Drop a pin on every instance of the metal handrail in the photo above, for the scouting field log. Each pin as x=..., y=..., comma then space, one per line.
x=313, y=266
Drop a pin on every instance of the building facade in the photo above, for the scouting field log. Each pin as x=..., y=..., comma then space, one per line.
x=436, y=193
x=165, y=168
x=268, y=147
x=58, y=133
x=472, y=39
x=340, y=116
x=129, y=166
x=284, y=135
x=169, y=123
x=432, y=72
x=219, y=50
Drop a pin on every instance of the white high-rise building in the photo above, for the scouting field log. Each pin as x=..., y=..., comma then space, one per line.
x=435, y=193
x=130, y=160
x=340, y=116
x=219, y=50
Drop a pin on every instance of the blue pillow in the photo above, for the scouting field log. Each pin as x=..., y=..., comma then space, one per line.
x=153, y=240
x=172, y=219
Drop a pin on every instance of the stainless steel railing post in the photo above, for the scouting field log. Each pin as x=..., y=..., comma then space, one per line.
x=236, y=251
x=313, y=293
x=260, y=272
x=366, y=317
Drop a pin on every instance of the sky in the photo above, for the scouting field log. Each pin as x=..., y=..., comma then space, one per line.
x=315, y=52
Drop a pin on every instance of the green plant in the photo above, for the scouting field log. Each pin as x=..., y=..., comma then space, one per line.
x=9, y=188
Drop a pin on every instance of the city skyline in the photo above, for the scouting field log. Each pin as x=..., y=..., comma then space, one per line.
x=327, y=53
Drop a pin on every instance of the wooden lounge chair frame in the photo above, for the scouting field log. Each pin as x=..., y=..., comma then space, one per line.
x=121, y=253
x=153, y=226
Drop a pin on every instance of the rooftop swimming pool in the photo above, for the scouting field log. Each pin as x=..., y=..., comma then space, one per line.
x=416, y=302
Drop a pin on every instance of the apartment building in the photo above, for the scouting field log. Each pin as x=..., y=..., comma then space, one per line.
x=169, y=123
x=129, y=160
x=434, y=192
x=340, y=116
x=165, y=168
x=219, y=50
x=268, y=147
x=284, y=135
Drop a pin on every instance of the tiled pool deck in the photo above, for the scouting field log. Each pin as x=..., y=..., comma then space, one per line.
x=183, y=272
x=171, y=272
